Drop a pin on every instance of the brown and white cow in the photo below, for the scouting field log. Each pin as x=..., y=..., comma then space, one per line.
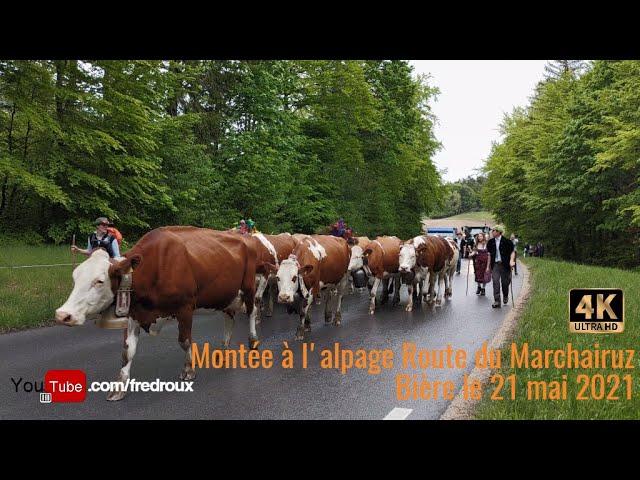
x=380, y=260
x=318, y=262
x=437, y=254
x=415, y=276
x=271, y=249
x=174, y=271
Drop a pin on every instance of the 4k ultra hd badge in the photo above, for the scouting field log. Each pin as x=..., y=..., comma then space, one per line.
x=596, y=310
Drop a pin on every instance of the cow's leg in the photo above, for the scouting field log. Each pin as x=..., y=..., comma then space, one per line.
x=385, y=290
x=304, y=311
x=328, y=297
x=410, y=290
x=372, y=295
x=341, y=290
x=247, y=297
x=396, y=293
x=130, y=343
x=185, y=320
x=445, y=274
x=271, y=295
x=441, y=282
x=432, y=287
x=261, y=285
x=253, y=334
x=229, y=320
x=449, y=291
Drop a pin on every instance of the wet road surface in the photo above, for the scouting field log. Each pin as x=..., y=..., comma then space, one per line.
x=464, y=322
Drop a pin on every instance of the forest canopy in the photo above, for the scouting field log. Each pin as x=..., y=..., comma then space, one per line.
x=567, y=168
x=292, y=144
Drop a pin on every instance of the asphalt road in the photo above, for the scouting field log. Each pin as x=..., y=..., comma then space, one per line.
x=464, y=322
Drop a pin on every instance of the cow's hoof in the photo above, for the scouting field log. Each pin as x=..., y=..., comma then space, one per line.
x=307, y=327
x=269, y=313
x=253, y=343
x=372, y=311
x=337, y=321
x=188, y=374
x=115, y=396
x=300, y=333
x=408, y=308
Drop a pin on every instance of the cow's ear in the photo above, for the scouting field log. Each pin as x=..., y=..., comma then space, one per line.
x=306, y=270
x=270, y=268
x=368, y=251
x=128, y=263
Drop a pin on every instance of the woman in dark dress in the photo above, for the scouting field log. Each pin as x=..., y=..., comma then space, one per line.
x=480, y=258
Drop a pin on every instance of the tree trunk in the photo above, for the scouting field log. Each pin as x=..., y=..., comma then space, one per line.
x=10, y=142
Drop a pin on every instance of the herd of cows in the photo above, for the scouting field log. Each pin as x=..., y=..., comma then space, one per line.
x=173, y=271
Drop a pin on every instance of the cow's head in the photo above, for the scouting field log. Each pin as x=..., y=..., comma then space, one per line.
x=407, y=258
x=356, y=262
x=289, y=275
x=94, y=284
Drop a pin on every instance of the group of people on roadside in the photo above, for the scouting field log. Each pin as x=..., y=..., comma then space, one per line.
x=536, y=250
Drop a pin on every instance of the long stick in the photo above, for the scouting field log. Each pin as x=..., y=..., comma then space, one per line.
x=468, y=267
x=511, y=284
x=73, y=253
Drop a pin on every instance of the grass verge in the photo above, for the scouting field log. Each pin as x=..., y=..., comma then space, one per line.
x=544, y=325
x=29, y=296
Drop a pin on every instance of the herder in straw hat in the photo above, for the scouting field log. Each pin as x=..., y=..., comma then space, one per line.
x=501, y=260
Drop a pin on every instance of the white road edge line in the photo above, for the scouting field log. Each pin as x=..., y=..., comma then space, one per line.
x=398, y=414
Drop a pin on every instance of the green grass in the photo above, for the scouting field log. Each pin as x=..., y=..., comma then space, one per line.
x=544, y=324
x=481, y=216
x=29, y=296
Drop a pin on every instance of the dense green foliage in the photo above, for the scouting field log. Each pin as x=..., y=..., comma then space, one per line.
x=566, y=172
x=292, y=144
x=461, y=196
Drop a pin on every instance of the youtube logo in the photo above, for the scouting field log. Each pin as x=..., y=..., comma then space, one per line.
x=66, y=385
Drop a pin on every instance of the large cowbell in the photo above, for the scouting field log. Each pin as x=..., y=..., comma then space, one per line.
x=359, y=278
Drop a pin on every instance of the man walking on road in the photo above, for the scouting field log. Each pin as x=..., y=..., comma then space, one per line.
x=500, y=251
